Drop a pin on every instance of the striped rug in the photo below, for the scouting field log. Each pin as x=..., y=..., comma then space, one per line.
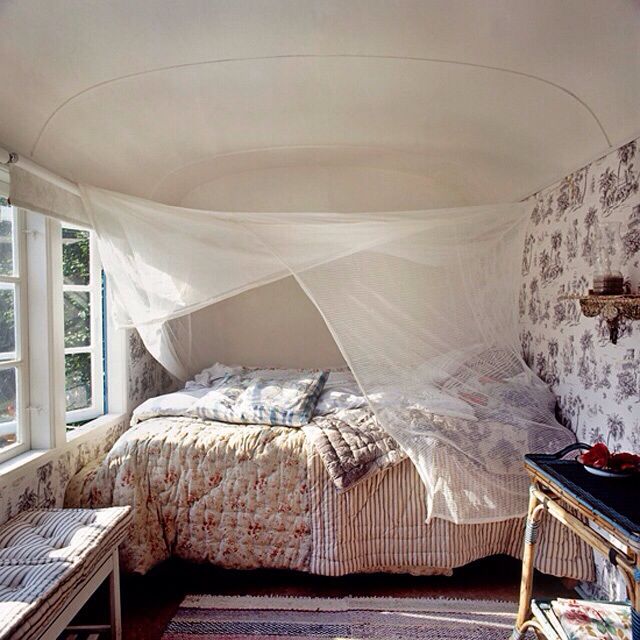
x=269, y=618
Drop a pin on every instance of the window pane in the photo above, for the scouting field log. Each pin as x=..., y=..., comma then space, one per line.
x=6, y=241
x=8, y=422
x=77, y=319
x=7, y=322
x=75, y=256
x=78, y=380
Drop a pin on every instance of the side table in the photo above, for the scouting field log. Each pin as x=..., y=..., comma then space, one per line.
x=579, y=499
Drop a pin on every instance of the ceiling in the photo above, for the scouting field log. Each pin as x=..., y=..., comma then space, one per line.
x=208, y=102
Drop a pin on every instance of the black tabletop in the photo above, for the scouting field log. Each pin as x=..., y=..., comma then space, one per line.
x=616, y=500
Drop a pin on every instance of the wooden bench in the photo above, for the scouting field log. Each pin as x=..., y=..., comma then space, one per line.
x=51, y=562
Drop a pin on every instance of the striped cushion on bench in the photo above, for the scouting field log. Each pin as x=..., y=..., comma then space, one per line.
x=45, y=558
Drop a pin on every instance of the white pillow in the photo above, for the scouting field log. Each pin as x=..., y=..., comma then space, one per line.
x=341, y=391
x=441, y=403
x=170, y=404
x=211, y=374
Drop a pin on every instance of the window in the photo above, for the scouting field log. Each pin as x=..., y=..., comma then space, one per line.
x=53, y=351
x=14, y=428
x=82, y=286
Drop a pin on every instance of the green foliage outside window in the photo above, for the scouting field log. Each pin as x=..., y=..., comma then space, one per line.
x=77, y=369
x=76, y=270
x=6, y=247
x=77, y=317
x=7, y=322
x=75, y=256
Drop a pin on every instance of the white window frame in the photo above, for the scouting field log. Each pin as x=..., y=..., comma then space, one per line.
x=94, y=288
x=21, y=358
x=39, y=317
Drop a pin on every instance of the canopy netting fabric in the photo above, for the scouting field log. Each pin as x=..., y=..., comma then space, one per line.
x=422, y=304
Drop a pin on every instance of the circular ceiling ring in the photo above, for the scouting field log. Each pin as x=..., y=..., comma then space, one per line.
x=285, y=148
x=523, y=74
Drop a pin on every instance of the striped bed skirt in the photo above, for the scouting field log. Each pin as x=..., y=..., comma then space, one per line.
x=379, y=525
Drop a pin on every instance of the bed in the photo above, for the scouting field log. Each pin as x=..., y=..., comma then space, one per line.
x=331, y=497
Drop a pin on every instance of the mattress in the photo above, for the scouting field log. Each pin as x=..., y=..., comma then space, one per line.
x=250, y=496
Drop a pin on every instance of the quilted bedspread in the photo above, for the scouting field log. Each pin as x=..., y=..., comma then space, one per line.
x=247, y=496
x=235, y=496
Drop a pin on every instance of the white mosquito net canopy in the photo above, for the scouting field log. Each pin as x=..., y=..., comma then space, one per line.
x=395, y=115
x=422, y=304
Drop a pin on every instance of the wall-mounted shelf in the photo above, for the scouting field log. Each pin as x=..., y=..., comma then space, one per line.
x=611, y=308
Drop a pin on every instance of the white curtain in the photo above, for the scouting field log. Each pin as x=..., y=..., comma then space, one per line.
x=422, y=304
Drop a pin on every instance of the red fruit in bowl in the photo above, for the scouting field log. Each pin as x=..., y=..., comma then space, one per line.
x=625, y=461
x=598, y=456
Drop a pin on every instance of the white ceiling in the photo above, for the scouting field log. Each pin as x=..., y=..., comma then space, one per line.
x=193, y=101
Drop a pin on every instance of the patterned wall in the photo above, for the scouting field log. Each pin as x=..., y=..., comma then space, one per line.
x=46, y=487
x=147, y=378
x=597, y=383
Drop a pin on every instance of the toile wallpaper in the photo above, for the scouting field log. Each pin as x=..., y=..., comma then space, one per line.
x=46, y=487
x=597, y=383
x=147, y=377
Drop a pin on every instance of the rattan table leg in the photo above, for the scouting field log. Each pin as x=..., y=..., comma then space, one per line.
x=528, y=556
x=635, y=604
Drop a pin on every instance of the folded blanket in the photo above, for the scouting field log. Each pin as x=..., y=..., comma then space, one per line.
x=247, y=398
x=286, y=398
x=352, y=446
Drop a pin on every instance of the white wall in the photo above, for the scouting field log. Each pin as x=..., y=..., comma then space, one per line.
x=275, y=325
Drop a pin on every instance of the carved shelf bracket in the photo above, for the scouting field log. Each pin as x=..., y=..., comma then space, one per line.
x=611, y=308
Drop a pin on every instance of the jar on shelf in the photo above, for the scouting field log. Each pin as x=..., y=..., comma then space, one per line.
x=607, y=275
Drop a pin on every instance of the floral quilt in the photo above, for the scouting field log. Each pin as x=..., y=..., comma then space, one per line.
x=235, y=496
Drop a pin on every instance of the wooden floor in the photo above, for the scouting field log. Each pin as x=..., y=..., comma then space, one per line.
x=150, y=601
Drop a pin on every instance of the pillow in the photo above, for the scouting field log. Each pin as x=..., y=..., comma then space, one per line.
x=433, y=400
x=438, y=369
x=519, y=398
x=341, y=391
x=209, y=376
x=170, y=404
x=262, y=397
x=474, y=370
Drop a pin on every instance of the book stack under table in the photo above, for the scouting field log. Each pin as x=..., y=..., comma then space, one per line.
x=566, y=619
x=605, y=513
